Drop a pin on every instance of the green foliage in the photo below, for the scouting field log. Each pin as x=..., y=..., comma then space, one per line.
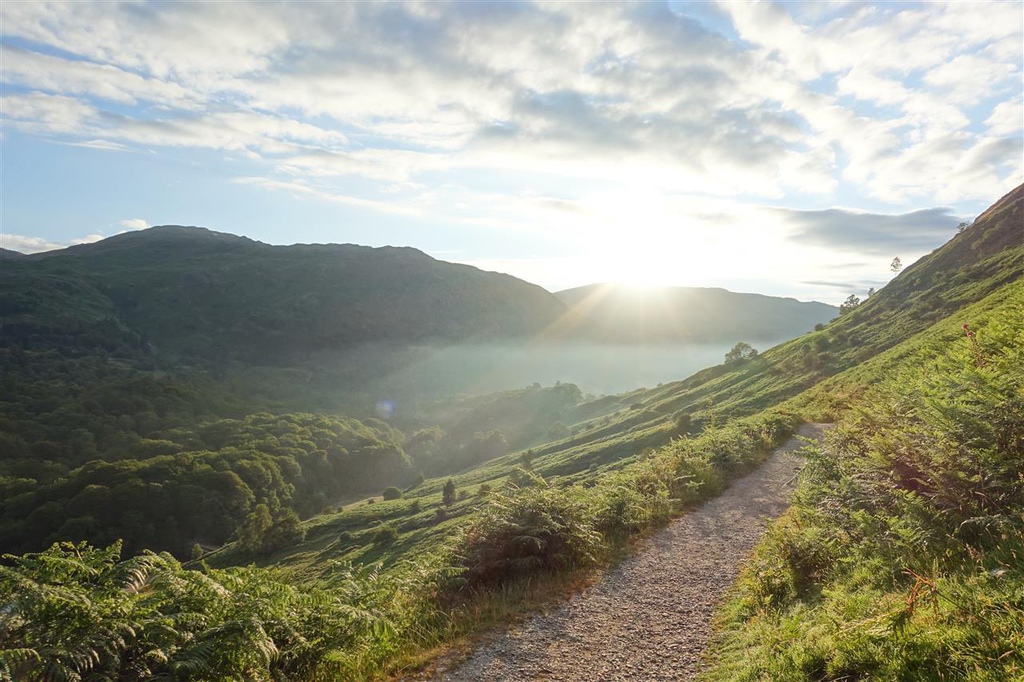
x=78, y=613
x=902, y=557
x=850, y=304
x=448, y=493
x=740, y=352
x=527, y=531
x=223, y=472
x=532, y=527
x=252, y=532
x=392, y=493
x=385, y=535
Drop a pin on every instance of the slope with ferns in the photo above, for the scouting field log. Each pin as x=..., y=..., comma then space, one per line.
x=902, y=553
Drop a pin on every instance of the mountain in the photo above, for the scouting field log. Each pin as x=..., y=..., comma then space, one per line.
x=193, y=295
x=205, y=294
x=7, y=253
x=688, y=314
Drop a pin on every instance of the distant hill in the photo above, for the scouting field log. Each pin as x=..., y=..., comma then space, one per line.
x=7, y=253
x=618, y=313
x=206, y=294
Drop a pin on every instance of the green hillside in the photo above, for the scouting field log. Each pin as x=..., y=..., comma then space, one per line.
x=902, y=553
x=203, y=294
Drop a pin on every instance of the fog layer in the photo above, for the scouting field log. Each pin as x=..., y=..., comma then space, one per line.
x=596, y=368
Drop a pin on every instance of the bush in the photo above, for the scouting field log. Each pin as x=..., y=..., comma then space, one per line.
x=392, y=493
x=385, y=535
x=525, y=532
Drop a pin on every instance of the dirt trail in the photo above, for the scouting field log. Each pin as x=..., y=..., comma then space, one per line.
x=650, y=617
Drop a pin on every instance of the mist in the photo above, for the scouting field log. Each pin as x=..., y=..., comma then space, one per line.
x=597, y=368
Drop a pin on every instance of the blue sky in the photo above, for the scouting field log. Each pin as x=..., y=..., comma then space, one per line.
x=786, y=148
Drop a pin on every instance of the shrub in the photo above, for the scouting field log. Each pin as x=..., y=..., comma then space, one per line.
x=448, y=493
x=385, y=535
x=392, y=493
x=524, y=478
x=76, y=612
x=525, y=532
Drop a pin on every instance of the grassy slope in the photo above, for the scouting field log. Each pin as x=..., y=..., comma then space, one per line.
x=976, y=263
x=902, y=556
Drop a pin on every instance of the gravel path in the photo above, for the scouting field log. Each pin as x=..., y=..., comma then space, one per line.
x=650, y=617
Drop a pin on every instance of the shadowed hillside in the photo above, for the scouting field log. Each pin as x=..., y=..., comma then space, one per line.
x=211, y=295
x=623, y=314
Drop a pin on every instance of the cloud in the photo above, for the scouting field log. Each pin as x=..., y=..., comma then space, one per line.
x=25, y=244
x=88, y=239
x=884, y=100
x=844, y=286
x=300, y=189
x=872, y=233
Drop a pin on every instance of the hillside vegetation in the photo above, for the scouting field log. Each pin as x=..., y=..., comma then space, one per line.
x=902, y=557
x=916, y=501
x=217, y=297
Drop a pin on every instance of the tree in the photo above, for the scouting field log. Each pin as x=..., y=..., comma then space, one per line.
x=740, y=352
x=448, y=494
x=250, y=533
x=286, y=532
x=871, y=292
x=896, y=265
x=851, y=303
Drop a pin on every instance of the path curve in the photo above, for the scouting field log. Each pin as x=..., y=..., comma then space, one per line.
x=649, y=618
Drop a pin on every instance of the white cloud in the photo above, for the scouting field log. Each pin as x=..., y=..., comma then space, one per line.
x=878, y=99
x=134, y=224
x=300, y=189
x=26, y=244
x=88, y=239
x=1007, y=118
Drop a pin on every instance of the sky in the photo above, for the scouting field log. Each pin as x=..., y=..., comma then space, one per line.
x=783, y=148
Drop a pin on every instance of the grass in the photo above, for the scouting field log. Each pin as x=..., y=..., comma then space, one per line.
x=902, y=556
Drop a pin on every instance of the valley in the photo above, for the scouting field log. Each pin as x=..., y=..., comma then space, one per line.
x=516, y=341
x=450, y=510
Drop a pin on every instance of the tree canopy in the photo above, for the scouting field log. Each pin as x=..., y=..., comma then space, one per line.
x=740, y=352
